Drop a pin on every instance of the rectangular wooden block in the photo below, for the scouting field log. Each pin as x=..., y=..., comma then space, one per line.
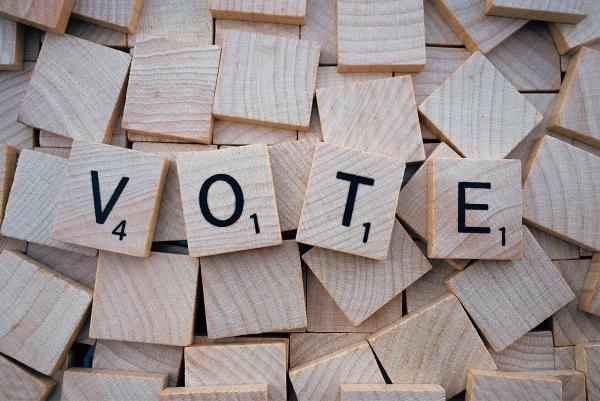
x=166, y=317
x=19, y=383
x=590, y=296
x=97, y=74
x=121, y=15
x=503, y=386
x=238, y=364
x=291, y=12
x=78, y=267
x=100, y=384
x=499, y=309
x=569, y=12
x=533, y=351
x=381, y=36
x=97, y=34
x=285, y=87
x=588, y=362
x=306, y=347
x=474, y=209
x=47, y=15
x=11, y=45
x=392, y=392
x=248, y=392
x=224, y=26
x=182, y=78
x=30, y=291
x=110, y=198
x=13, y=88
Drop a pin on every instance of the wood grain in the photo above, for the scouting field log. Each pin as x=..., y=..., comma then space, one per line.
x=380, y=36
x=246, y=64
x=329, y=76
x=47, y=15
x=588, y=362
x=291, y=12
x=478, y=111
x=555, y=248
x=48, y=139
x=429, y=287
x=306, y=347
x=392, y=392
x=248, y=392
x=11, y=45
x=58, y=152
x=590, y=296
x=573, y=382
x=533, y=351
x=569, y=36
x=320, y=26
x=437, y=30
x=232, y=133
x=121, y=15
x=81, y=268
x=224, y=26
x=122, y=309
x=97, y=34
x=494, y=293
x=19, y=383
x=508, y=386
x=565, y=59
x=569, y=12
x=13, y=87
x=564, y=357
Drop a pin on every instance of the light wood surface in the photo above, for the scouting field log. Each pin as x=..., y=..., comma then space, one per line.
x=182, y=78
x=380, y=36
x=320, y=380
x=569, y=36
x=478, y=111
x=13, y=87
x=249, y=166
x=564, y=357
x=59, y=152
x=590, y=296
x=121, y=15
x=11, y=45
x=384, y=108
x=248, y=392
x=392, y=392
x=320, y=26
x=563, y=206
x=570, y=11
x=291, y=12
x=224, y=26
x=533, y=351
x=245, y=62
x=437, y=30
x=500, y=312
x=167, y=317
x=97, y=34
x=306, y=347
x=573, y=382
x=555, y=248
x=508, y=386
x=78, y=220
x=565, y=59
x=232, y=133
x=588, y=362
x=81, y=268
x=429, y=287
x=325, y=209
x=329, y=76
x=19, y=383
x=47, y=15
x=97, y=74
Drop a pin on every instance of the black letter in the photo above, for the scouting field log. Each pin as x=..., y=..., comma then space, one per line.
x=239, y=200
x=355, y=181
x=463, y=206
x=102, y=215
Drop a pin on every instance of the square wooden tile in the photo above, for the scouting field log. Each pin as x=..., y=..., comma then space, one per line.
x=290, y=12
x=166, y=317
x=350, y=201
x=505, y=386
x=395, y=392
x=267, y=64
x=534, y=351
x=121, y=15
x=13, y=87
x=182, y=78
x=377, y=116
x=78, y=267
x=590, y=297
x=474, y=209
x=47, y=15
x=247, y=392
x=11, y=45
x=237, y=209
x=96, y=79
x=570, y=36
x=18, y=383
x=306, y=347
x=110, y=198
x=553, y=10
x=588, y=362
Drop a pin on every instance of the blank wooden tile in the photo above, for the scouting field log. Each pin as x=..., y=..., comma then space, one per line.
x=588, y=362
x=248, y=392
x=166, y=317
x=291, y=12
x=377, y=116
x=101, y=384
x=320, y=26
x=573, y=382
x=458, y=225
x=564, y=357
x=232, y=133
x=19, y=383
x=508, y=386
x=127, y=180
x=224, y=26
x=254, y=291
x=11, y=45
x=182, y=79
x=284, y=86
x=500, y=311
x=97, y=75
x=97, y=34
x=574, y=113
x=478, y=112
x=476, y=30
x=13, y=87
x=238, y=364
x=81, y=268
x=121, y=15
x=392, y=392
x=569, y=36
x=320, y=379
x=230, y=225
x=306, y=347
x=328, y=213
x=47, y=15
x=381, y=36
x=362, y=286
x=570, y=12
x=32, y=290
x=572, y=216
x=590, y=296
x=138, y=357
x=533, y=351
x=437, y=30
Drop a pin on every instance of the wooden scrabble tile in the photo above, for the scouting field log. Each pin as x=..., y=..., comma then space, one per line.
x=361, y=286
x=13, y=87
x=238, y=364
x=533, y=351
x=555, y=248
x=362, y=188
x=247, y=392
x=570, y=36
x=11, y=45
x=138, y=357
x=329, y=76
x=29, y=211
x=571, y=200
x=564, y=357
x=240, y=212
x=306, y=347
x=408, y=353
x=569, y=12
x=588, y=362
x=182, y=78
x=573, y=382
x=97, y=34
x=254, y=291
x=291, y=12
x=121, y=15
x=97, y=74
x=574, y=113
x=505, y=386
x=110, y=198
x=474, y=209
x=320, y=380
x=224, y=26
x=479, y=112
x=32, y=290
x=47, y=15
x=19, y=383
x=590, y=296
x=232, y=133
x=380, y=36
x=286, y=97
x=100, y=384
x=392, y=392
x=81, y=268
x=165, y=318
x=320, y=26
x=385, y=108
x=570, y=325
x=475, y=29
x=498, y=309
x=429, y=287
x=437, y=30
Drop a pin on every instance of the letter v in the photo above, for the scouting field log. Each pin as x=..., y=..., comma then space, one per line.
x=102, y=215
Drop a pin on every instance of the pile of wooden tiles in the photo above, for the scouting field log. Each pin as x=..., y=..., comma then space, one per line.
x=313, y=200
